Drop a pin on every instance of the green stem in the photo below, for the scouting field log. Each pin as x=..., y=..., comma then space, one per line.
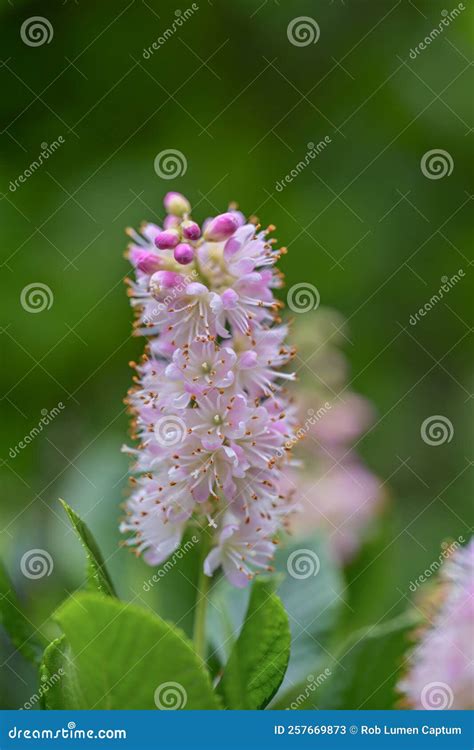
x=199, y=634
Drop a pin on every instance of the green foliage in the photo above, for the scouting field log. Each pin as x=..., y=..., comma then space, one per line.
x=367, y=668
x=259, y=657
x=314, y=604
x=22, y=632
x=59, y=685
x=97, y=575
x=115, y=655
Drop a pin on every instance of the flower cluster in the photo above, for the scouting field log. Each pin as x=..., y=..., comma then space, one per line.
x=441, y=667
x=210, y=411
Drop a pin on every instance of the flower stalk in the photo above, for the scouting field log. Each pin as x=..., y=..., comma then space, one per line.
x=199, y=631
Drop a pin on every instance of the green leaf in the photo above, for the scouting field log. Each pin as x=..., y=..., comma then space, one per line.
x=312, y=593
x=118, y=656
x=23, y=634
x=367, y=668
x=98, y=577
x=260, y=655
x=313, y=605
x=57, y=667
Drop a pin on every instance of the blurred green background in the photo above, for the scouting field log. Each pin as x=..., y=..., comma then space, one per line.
x=362, y=223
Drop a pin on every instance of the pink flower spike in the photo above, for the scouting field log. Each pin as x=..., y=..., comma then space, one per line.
x=211, y=417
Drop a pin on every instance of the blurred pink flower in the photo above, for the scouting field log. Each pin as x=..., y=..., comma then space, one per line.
x=343, y=501
x=336, y=492
x=441, y=667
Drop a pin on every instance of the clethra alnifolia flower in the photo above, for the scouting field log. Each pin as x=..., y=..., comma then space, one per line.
x=211, y=415
x=440, y=672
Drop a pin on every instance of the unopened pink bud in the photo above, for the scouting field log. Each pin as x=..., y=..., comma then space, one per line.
x=171, y=222
x=146, y=261
x=221, y=227
x=167, y=239
x=176, y=204
x=183, y=253
x=190, y=230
